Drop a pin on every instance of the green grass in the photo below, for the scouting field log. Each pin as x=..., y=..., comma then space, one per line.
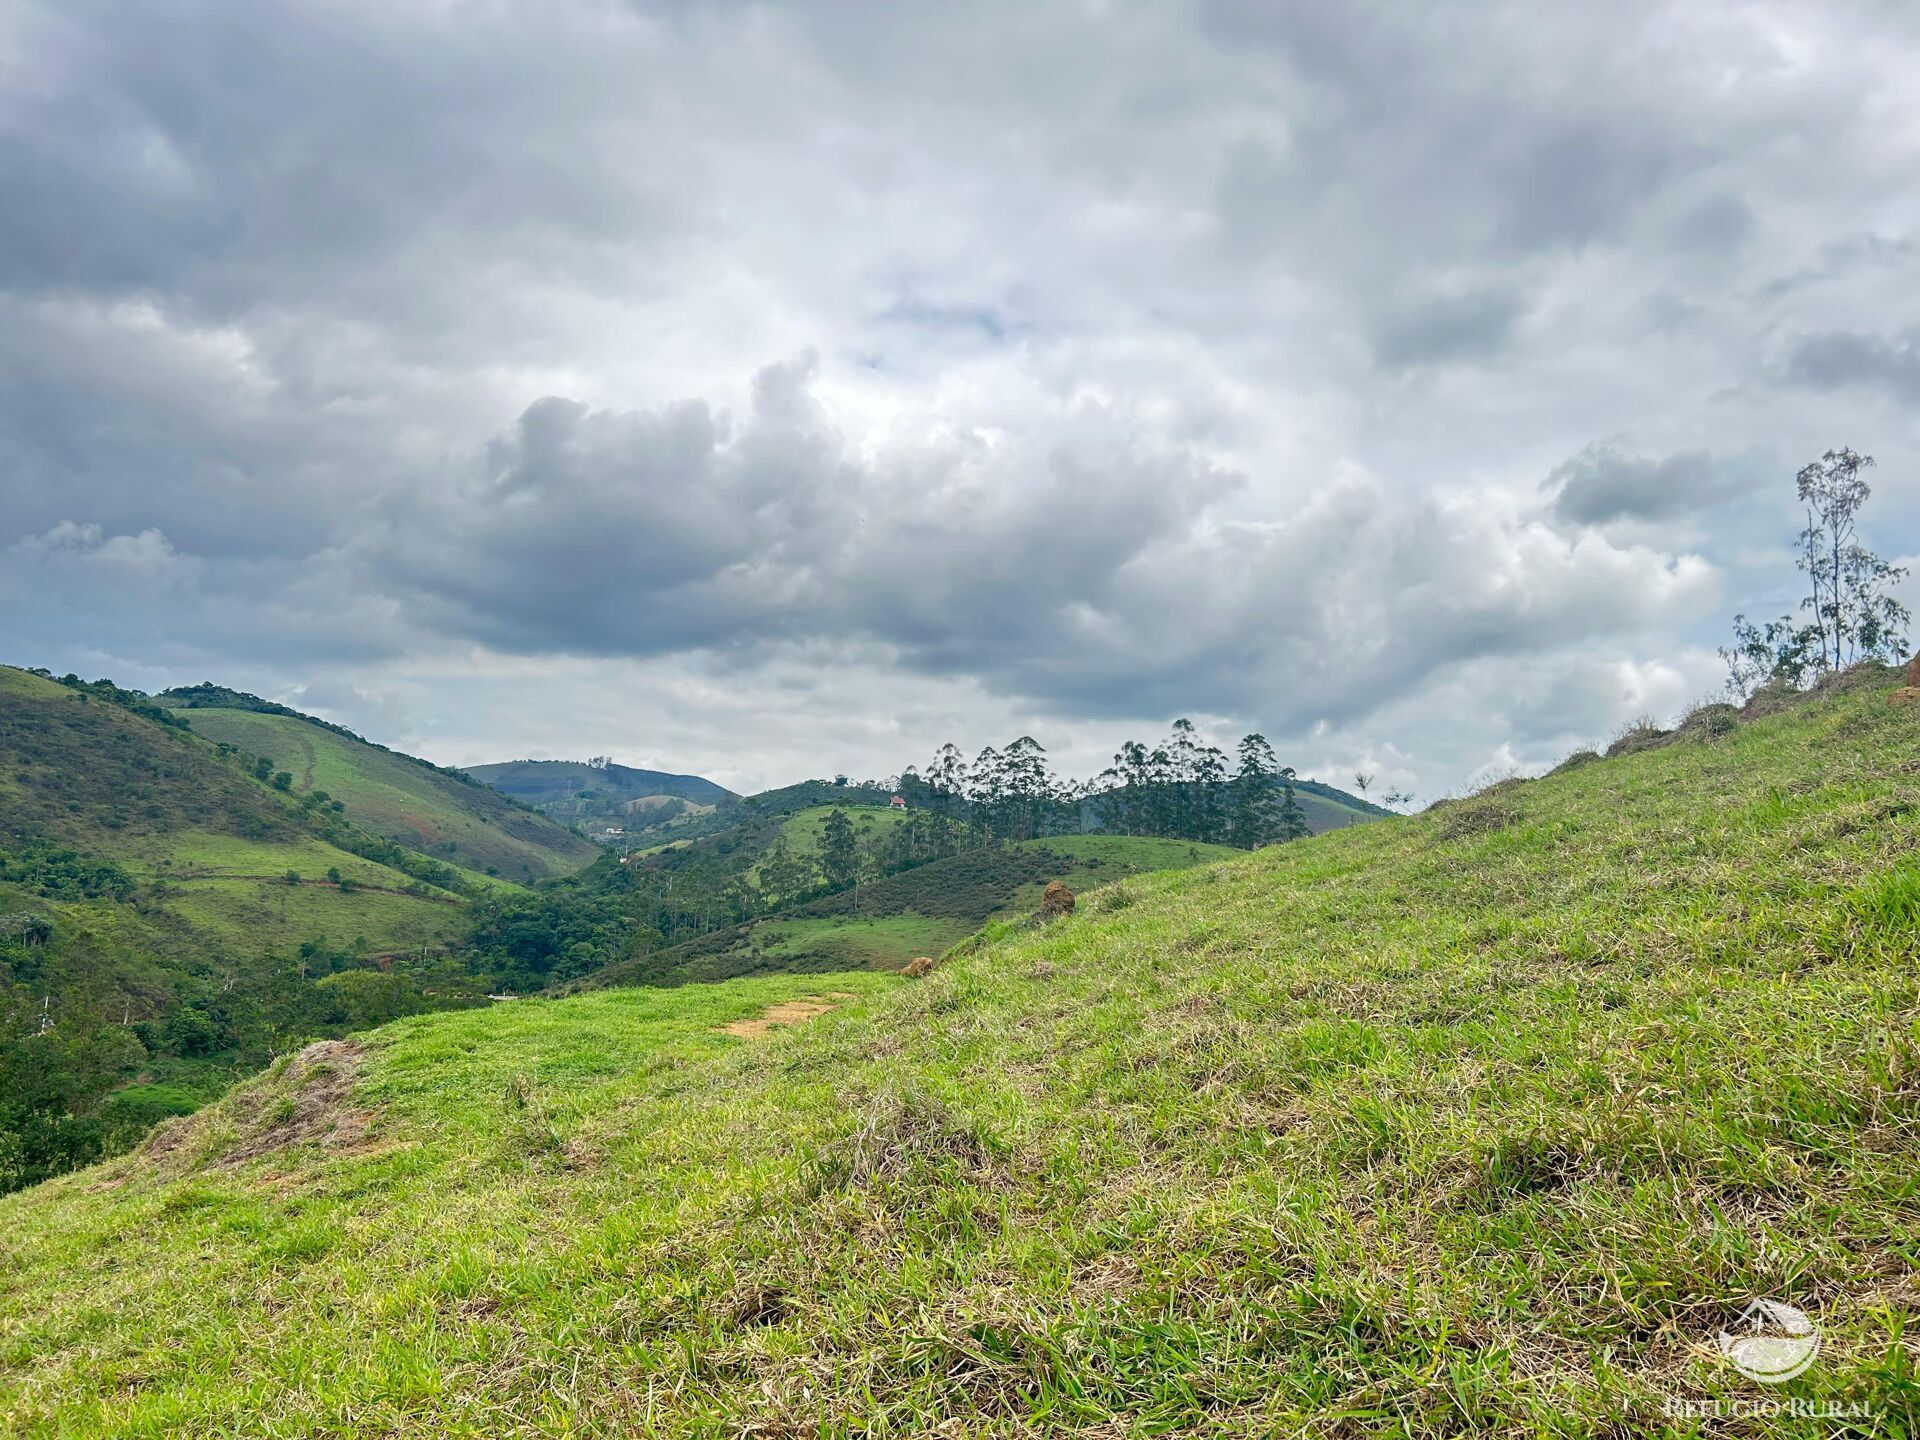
x=1132, y=852
x=196, y=853
x=1485, y=1121
x=801, y=830
x=923, y=911
x=234, y=892
x=166, y=807
x=462, y=824
x=880, y=942
x=251, y=917
x=1335, y=809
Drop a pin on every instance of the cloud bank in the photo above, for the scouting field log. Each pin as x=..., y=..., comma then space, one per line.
x=768, y=390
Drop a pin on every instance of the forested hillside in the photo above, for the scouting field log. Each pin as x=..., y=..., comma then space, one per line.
x=1485, y=1121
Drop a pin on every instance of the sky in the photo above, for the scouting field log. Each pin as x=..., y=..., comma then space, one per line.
x=763, y=391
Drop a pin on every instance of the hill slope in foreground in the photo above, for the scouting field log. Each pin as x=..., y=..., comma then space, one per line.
x=1488, y=1120
x=403, y=799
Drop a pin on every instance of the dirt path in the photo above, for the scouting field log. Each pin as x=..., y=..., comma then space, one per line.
x=788, y=1012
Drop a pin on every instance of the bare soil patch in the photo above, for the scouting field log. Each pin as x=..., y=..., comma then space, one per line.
x=787, y=1012
x=306, y=1102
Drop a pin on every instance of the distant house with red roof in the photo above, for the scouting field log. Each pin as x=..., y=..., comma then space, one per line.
x=898, y=802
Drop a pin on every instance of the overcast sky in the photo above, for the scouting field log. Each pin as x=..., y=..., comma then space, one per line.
x=761, y=391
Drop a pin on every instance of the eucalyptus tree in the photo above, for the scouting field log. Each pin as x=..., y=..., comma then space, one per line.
x=1290, y=821
x=1852, y=614
x=1855, y=617
x=839, y=851
x=1252, y=819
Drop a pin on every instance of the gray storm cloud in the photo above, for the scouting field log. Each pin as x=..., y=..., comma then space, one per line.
x=1418, y=382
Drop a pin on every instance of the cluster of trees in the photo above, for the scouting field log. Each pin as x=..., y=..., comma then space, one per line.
x=137, y=701
x=1180, y=789
x=54, y=1082
x=1848, y=614
x=63, y=874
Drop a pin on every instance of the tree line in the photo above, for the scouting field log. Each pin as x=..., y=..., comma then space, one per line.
x=1179, y=789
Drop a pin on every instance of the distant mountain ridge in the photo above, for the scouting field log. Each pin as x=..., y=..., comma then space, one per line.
x=602, y=797
x=533, y=780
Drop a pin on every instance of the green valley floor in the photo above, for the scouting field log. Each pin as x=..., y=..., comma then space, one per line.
x=1485, y=1121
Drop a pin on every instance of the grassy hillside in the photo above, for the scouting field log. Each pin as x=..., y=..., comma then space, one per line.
x=405, y=800
x=923, y=911
x=1328, y=808
x=801, y=829
x=211, y=843
x=1485, y=1121
x=752, y=813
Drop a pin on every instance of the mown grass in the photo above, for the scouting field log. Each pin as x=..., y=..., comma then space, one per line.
x=1481, y=1122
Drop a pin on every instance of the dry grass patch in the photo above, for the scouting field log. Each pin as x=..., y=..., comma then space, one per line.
x=787, y=1012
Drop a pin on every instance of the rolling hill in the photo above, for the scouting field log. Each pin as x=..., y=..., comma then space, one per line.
x=1484, y=1121
x=211, y=840
x=1329, y=808
x=437, y=812
x=604, y=795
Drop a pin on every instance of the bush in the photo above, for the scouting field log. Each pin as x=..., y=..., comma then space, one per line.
x=192, y=1033
x=63, y=874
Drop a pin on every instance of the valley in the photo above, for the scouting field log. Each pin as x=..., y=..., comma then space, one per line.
x=193, y=882
x=1404, y=1122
